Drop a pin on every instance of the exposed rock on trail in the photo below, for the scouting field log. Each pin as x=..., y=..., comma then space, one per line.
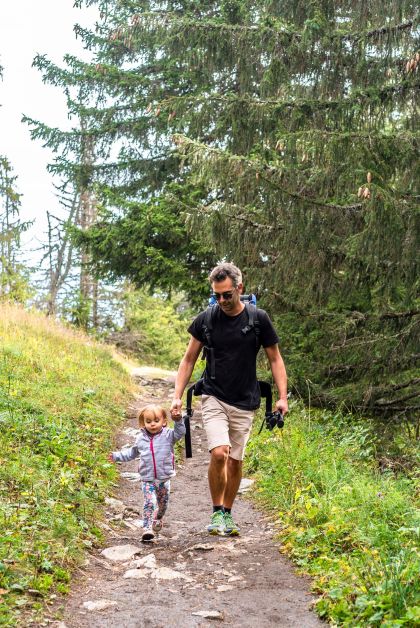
x=186, y=577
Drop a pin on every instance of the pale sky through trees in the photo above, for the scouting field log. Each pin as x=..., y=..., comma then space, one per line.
x=28, y=27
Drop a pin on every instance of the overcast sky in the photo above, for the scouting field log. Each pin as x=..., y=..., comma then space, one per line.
x=28, y=27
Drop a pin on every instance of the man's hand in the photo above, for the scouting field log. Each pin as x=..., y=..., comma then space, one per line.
x=183, y=376
x=282, y=406
x=280, y=377
x=176, y=409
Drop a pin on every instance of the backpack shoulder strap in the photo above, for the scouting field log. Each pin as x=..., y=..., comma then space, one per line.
x=208, y=351
x=207, y=325
x=253, y=323
x=256, y=327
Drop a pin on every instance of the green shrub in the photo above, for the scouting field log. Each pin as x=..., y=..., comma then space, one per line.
x=352, y=528
x=157, y=328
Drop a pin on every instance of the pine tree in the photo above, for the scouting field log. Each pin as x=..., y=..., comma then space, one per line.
x=296, y=134
x=13, y=273
x=129, y=188
x=65, y=271
x=59, y=255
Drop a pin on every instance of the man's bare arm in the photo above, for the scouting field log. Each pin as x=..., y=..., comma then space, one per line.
x=280, y=376
x=183, y=376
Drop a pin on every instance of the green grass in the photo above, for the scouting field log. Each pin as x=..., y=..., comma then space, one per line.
x=61, y=397
x=353, y=529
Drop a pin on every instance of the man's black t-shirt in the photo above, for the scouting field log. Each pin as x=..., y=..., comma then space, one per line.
x=235, y=356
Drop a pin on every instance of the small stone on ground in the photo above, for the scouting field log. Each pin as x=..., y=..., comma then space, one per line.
x=99, y=605
x=121, y=552
x=208, y=614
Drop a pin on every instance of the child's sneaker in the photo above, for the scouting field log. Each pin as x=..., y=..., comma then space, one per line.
x=217, y=523
x=231, y=529
x=148, y=535
x=157, y=525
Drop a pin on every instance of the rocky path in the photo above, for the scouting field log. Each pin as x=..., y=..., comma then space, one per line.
x=186, y=578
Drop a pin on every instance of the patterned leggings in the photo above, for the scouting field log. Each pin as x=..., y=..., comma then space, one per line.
x=156, y=498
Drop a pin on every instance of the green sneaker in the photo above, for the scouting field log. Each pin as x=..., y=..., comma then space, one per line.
x=217, y=523
x=231, y=529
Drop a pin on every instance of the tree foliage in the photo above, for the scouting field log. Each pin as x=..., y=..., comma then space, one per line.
x=13, y=273
x=285, y=135
x=154, y=328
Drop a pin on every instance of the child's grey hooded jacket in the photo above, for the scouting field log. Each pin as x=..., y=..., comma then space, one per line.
x=156, y=451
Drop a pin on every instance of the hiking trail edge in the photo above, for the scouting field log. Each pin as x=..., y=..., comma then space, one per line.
x=186, y=578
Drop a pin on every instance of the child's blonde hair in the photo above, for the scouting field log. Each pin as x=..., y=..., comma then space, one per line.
x=157, y=411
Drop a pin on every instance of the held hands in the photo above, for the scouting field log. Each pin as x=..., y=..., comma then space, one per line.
x=282, y=406
x=176, y=409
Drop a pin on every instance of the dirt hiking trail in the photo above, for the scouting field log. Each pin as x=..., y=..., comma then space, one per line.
x=186, y=578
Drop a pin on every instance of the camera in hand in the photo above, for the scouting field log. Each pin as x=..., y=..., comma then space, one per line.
x=274, y=419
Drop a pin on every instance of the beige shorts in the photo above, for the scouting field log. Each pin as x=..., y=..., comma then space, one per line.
x=226, y=425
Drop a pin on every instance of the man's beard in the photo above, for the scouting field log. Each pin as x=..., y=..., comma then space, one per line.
x=227, y=306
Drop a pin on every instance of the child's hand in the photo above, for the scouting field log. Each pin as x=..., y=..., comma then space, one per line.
x=176, y=409
x=110, y=458
x=175, y=414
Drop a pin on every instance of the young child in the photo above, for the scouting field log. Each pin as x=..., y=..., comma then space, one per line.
x=155, y=446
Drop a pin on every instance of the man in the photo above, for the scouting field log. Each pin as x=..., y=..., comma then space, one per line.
x=230, y=389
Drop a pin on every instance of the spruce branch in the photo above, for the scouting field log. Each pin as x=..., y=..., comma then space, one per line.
x=402, y=409
x=392, y=402
x=358, y=341
x=189, y=148
x=172, y=20
x=361, y=317
x=208, y=209
x=371, y=96
x=384, y=30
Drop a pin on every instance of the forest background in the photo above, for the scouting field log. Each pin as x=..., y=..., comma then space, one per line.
x=282, y=136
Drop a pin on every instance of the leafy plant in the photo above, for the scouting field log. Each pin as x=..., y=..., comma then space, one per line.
x=354, y=529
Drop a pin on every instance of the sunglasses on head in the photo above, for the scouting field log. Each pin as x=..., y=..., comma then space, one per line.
x=226, y=295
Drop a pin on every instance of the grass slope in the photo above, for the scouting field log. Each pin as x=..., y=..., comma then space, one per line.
x=353, y=529
x=61, y=396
